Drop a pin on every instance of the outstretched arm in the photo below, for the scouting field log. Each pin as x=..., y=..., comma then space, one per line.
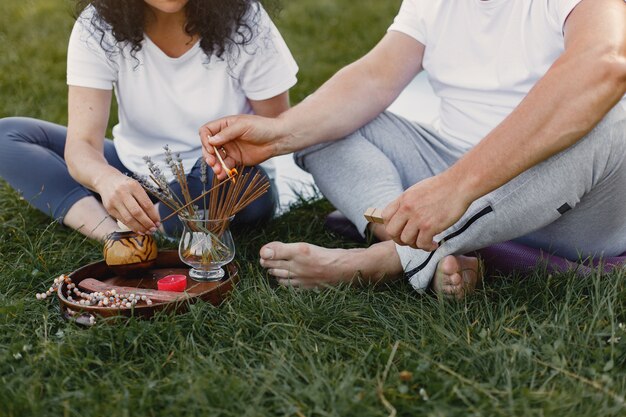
x=351, y=98
x=574, y=95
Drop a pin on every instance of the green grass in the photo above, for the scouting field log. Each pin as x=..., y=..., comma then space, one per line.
x=537, y=346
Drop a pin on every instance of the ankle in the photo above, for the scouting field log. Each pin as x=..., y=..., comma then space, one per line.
x=377, y=264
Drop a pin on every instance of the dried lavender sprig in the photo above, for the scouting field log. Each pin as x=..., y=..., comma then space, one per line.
x=183, y=178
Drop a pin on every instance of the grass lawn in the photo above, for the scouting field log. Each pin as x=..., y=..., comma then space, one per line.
x=536, y=346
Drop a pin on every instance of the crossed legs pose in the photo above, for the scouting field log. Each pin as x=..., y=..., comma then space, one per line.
x=572, y=205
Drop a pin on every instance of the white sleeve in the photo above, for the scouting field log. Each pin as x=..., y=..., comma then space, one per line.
x=266, y=67
x=560, y=10
x=88, y=64
x=410, y=20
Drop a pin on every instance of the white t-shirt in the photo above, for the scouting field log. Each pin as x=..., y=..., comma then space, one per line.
x=164, y=100
x=483, y=57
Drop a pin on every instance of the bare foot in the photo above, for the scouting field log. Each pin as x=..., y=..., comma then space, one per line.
x=309, y=266
x=457, y=276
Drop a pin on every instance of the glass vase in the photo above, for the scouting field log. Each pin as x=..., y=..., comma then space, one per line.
x=206, y=246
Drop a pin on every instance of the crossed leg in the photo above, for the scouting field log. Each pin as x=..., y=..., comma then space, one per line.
x=388, y=155
x=585, y=183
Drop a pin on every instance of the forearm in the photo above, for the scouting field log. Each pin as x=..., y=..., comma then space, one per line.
x=565, y=105
x=87, y=164
x=88, y=113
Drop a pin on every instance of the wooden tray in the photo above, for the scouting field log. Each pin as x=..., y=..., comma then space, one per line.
x=167, y=263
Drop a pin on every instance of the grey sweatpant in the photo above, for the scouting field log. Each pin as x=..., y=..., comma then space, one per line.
x=572, y=205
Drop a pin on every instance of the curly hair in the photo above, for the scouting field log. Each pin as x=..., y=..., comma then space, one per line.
x=218, y=23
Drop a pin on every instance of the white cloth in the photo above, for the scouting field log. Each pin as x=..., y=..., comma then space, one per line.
x=483, y=57
x=164, y=100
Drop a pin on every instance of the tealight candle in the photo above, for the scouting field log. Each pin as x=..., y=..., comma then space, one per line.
x=176, y=283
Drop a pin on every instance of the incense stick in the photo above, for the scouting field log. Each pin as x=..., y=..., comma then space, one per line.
x=181, y=208
x=228, y=172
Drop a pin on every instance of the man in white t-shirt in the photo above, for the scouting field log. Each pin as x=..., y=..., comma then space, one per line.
x=529, y=144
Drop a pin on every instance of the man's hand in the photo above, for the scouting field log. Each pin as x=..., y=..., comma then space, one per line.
x=243, y=140
x=125, y=199
x=423, y=211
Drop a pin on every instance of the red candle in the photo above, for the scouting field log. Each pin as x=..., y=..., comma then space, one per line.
x=176, y=283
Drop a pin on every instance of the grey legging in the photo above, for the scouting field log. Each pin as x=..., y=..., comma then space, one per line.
x=31, y=161
x=572, y=205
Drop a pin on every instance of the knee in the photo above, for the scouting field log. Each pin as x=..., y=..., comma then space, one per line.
x=325, y=151
x=12, y=128
x=300, y=157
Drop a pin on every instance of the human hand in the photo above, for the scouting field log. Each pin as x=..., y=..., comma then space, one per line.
x=126, y=200
x=244, y=140
x=423, y=211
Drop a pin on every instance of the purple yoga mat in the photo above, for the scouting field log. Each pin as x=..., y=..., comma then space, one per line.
x=511, y=257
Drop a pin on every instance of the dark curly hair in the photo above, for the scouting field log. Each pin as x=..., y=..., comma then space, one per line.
x=218, y=23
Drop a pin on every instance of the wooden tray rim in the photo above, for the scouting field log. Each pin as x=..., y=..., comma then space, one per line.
x=224, y=285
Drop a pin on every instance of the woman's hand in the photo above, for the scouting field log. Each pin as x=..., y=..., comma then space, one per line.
x=126, y=200
x=423, y=211
x=242, y=140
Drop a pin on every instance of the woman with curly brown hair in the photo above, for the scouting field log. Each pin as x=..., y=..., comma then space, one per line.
x=173, y=65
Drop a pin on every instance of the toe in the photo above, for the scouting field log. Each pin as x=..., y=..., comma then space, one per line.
x=294, y=283
x=454, y=279
x=451, y=289
x=281, y=273
x=267, y=251
x=449, y=265
x=286, y=251
x=274, y=264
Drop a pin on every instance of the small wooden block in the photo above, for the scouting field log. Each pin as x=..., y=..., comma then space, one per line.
x=93, y=285
x=374, y=215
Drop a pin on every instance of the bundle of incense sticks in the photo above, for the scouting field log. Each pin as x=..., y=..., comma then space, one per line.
x=221, y=201
x=232, y=195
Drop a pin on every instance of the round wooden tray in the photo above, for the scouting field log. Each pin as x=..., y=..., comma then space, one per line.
x=167, y=263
